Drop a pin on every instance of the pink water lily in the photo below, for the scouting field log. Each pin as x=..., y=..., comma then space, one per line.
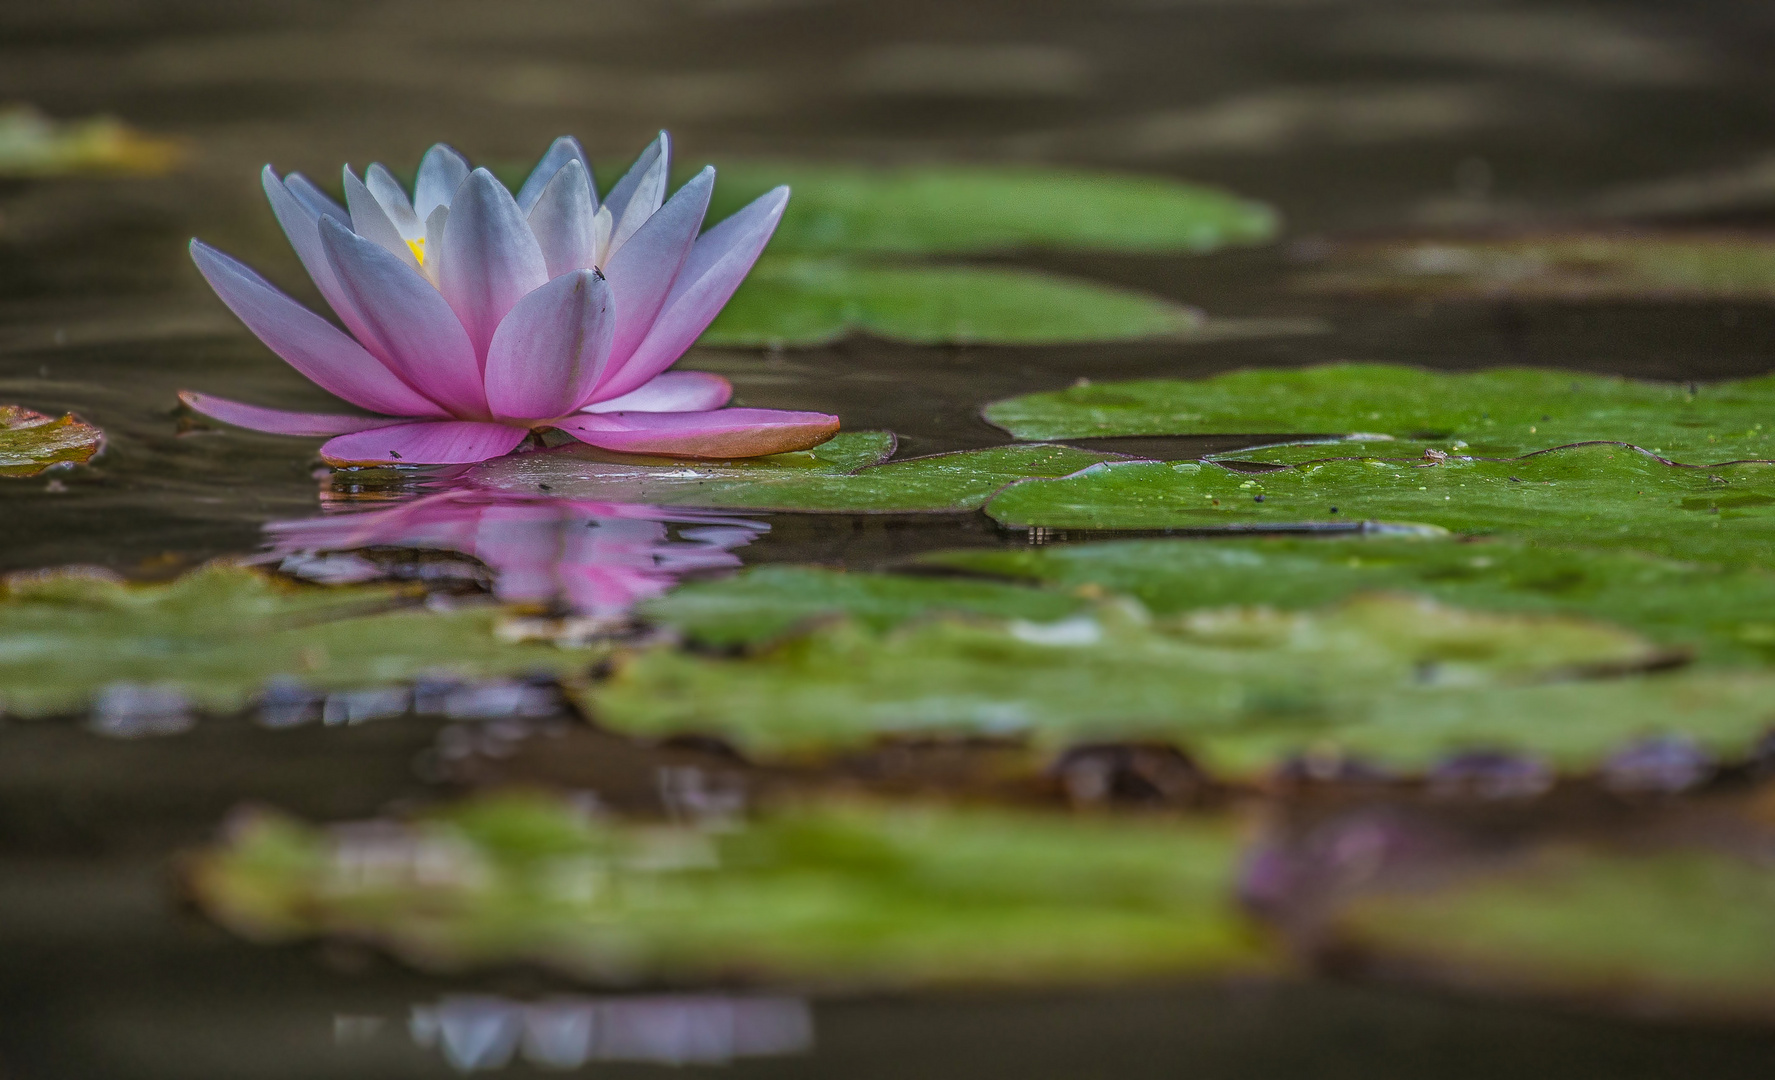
x=480, y=316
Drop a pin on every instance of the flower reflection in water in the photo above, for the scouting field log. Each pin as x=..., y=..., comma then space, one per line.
x=593, y=559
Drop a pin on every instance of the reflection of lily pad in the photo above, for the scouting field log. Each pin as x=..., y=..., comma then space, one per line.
x=33, y=145
x=1496, y=413
x=939, y=483
x=801, y=302
x=1558, y=266
x=31, y=442
x=216, y=636
x=767, y=601
x=1598, y=495
x=1726, y=614
x=851, y=896
x=852, y=209
x=1691, y=930
x=1242, y=688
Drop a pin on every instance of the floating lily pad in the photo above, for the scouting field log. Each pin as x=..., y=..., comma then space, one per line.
x=1402, y=679
x=851, y=896
x=1497, y=413
x=806, y=302
x=216, y=636
x=1726, y=615
x=31, y=144
x=1599, y=495
x=789, y=482
x=854, y=209
x=1692, y=931
x=768, y=601
x=1557, y=266
x=31, y=442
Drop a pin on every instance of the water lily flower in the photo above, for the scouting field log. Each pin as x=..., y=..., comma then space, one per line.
x=480, y=316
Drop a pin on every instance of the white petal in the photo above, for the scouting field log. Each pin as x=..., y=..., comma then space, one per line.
x=371, y=222
x=393, y=201
x=564, y=221
x=564, y=149
x=620, y=196
x=441, y=172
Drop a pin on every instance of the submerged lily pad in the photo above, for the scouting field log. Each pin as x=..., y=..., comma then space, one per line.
x=1498, y=413
x=1726, y=615
x=768, y=601
x=854, y=895
x=949, y=483
x=806, y=302
x=1401, y=679
x=31, y=442
x=1557, y=266
x=216, y=636
x=31, y=144
x=1692, y=931
x=854, y=209
x=1599, y=495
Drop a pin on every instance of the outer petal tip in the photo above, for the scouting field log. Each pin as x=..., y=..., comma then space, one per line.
x=718, y=433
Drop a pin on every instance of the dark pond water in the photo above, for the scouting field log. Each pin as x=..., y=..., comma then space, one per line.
x=1350, y=117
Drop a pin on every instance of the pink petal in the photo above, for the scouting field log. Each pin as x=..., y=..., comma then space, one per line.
x=642, y=271
x=299, y=206
x=489, y=259
x=674, y=391
x=624, y=191
x=307, y=342
x=551, y=348
x=440, y=442
x=405, y=321
x=718, y=433
x=718, y=263
x=441, y=171
x=563, y=221
x=278, y=421
x=560, y=152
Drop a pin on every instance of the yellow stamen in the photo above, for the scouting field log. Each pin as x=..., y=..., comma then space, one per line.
x=418, y=247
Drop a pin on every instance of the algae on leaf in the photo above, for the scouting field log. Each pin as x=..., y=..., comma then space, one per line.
x=216, y=636
x=31, y=442
x=1501, y=412
x=1597, y=495
x=845, y=895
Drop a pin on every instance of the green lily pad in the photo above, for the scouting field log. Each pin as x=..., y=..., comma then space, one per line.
x=1557, y=266
x=1498, y=413
x=950, y=209
x=1598, y=495
x=218, y=635
x=1240, y=688
x=1725, y=615
x=839, y=895
x=31, y=144
x=808, y=302
x=949, y=483
x=1691, y=931
x=766, y=602
x=31, y=442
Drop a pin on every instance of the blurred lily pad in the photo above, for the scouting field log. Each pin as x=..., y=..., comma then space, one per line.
x=1241, y=688
x=952, y=209
x=1726, y=615
x=1557, y=266
x=808, y=302
x=31, y=442
x=216, y=636
x=1690, y=931
x=31, y=144
x=1599, y=495
x=1498, y=413
x=837, y=895
x=768, y=601
x=789, y=482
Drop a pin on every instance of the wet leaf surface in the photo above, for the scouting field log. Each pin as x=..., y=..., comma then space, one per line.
x=836, y=895
x=941, y=483
x=768, y=601
x=1602, y=495
x=1497, y=413
x=1242, y=688
x=216, y=637
x=951, y=209
x=1722, y=614
x=31, y=442
x=807, y=302
x=1690, y=931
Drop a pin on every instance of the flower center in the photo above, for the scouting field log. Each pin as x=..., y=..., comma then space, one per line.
x=418, y=247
